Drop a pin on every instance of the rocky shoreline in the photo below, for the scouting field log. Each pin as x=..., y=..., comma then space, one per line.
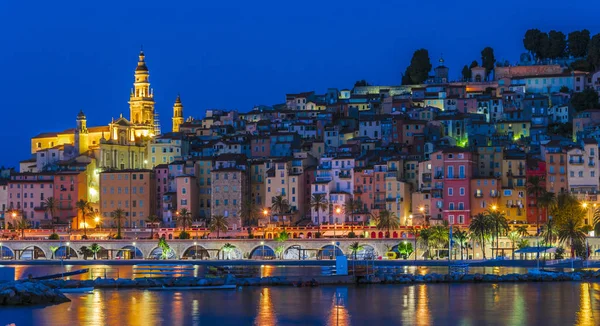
x=30, y=292
x=24, y=293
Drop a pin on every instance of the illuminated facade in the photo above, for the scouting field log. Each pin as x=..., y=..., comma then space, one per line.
x=177, y=114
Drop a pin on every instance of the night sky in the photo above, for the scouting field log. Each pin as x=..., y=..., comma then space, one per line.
x=58, y=57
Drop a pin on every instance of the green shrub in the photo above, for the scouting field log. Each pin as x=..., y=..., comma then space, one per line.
x=317, y=235
x=184, y=235
x=54, y=236
x=351, y=235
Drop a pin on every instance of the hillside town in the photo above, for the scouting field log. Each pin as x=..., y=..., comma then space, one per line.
x=439, y=151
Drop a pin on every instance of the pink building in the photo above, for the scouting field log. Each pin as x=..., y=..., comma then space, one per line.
x=451, y=194
x=26, y=195
x=260, y=146
x=161, y=173
x=69, y=187
x=187, y=194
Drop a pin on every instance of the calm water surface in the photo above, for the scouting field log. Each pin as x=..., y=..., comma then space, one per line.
x=126, y=271
x=431, y=304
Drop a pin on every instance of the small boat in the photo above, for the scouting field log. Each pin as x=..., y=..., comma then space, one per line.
x=77, y=290
x=61, y=275
x=188, y=288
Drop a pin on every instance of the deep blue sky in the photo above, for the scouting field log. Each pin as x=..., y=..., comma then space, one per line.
x=58, y=57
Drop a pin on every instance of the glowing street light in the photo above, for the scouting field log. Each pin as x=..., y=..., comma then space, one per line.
x=422, y=209
x=494, y=207
x=134, y=250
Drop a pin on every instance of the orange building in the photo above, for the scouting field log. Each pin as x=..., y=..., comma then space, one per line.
x=133, y=191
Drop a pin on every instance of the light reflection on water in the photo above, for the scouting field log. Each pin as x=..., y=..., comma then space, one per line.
x=126, y=271
x=422, y=304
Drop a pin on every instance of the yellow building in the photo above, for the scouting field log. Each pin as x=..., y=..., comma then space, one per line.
x=517, y=129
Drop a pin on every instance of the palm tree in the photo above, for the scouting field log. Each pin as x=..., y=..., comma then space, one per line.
x=279, y=205
x=118, y=215
x=184, y=217
x=549, y=231
x=350, y=208
x=462, y=238
x=424, y=239
x=387, y=220
x=569, y=231
x=319, y=203
x=439, y=237
x=282, y=237
x=548, y=201
x=227, y=248
x=83, y=206
x=249, y=213
x=481, y=227
x=500, y=225
x=152, y=220
x=522, y=230
x=355, y=247
x=50, y=205
x=95, y=248
x=415, y=233
x=22, y=224
x=218, y=223
x=514, y=237
x=536, y=188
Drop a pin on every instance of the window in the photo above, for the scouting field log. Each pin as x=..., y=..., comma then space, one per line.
x=580, y=174
x=462, y=191
x=451, y=219
x=450, y=191
x=461, y=219
x=451, y=206
x=183, y=191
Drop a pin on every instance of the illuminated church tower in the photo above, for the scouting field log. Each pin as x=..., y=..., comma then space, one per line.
x=141, y=100
x=81, y=134
x=177, y=114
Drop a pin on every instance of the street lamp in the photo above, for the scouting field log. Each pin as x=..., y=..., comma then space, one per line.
x=196, y=250
x=134, y=250
x=1, y=252
x=262, y=243
x=68, y=251
x=266, y=214
x=494, y=207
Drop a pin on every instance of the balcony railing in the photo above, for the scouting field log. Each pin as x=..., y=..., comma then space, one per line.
x=576, y=161
x=478, y=195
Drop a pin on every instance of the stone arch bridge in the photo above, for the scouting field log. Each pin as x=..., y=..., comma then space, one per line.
x=209, y=248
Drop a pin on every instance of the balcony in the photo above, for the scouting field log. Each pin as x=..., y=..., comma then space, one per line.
x=439, y=185
x=439, y=176
x=427, y=177
x=345, y=175
x=591, y=163
x=478, y=194
x=562, y=162
x=576, y=161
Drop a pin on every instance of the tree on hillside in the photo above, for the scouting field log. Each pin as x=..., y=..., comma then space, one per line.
x=420, y=66
x=466, y=73
x=488, y=60
x=578, y=43
x=474, y=64
x=588, y=99
x=361, y=83
x=558, y=44
x=531, y=41
x=581, y=65
x=406, y=78
x=594, y=51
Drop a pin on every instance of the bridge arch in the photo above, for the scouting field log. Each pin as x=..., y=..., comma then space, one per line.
x=297, y=252
x=139, y=254
x=64, y=252
x=196, y=252
x=262, y=252
x=157, y=253
x=329, y=252
x=6, y=253
x=32, y=253
x=367, y=251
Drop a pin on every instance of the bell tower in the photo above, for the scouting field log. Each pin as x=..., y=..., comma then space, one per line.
x=177, y=114
x=81, y=134
x=141, y=100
